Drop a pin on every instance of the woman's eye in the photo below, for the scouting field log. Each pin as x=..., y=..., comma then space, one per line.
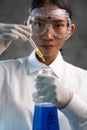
x=57, y=25
x=38, y=24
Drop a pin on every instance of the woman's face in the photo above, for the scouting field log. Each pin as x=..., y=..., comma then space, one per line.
x=47, y=42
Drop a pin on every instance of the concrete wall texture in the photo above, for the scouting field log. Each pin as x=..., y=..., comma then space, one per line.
x=75, y=48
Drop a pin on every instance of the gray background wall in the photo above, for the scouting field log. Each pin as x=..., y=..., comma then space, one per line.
x=74, y=50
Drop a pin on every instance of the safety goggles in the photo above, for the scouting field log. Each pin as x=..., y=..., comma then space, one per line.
x=57, y=21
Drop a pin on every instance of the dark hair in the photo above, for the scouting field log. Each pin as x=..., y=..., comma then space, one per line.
x=63, y=4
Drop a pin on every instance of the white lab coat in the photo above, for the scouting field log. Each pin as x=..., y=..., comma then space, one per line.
x=16, y=87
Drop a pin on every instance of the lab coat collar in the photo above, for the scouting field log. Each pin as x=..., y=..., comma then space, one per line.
x=34, y=63
x=56, y=65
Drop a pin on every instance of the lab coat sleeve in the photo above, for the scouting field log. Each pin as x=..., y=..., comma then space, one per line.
x=76, y=112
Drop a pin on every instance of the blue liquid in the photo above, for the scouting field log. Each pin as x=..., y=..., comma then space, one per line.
x=45, y=117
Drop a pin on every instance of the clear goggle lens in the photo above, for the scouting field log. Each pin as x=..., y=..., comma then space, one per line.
x=39, y=25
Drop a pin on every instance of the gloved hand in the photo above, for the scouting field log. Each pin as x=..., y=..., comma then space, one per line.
x=10, y=32
x=49, y=89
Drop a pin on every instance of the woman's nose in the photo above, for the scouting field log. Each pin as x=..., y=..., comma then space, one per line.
x=48, y=34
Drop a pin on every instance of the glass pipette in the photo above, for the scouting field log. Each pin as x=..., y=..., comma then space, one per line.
x=38, y=52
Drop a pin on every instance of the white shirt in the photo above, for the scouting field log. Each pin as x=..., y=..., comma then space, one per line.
x=16, y=88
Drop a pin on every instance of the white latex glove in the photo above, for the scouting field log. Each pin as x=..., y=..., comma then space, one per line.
x=10, y=32
x=49, y=89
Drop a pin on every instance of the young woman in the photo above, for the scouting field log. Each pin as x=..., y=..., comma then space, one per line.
x=49, y=25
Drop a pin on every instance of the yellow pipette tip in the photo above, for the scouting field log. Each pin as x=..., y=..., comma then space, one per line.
x=38, y=52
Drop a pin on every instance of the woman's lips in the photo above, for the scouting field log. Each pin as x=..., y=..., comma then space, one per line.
x=47, y=47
